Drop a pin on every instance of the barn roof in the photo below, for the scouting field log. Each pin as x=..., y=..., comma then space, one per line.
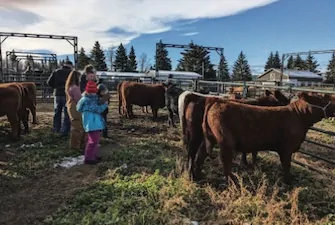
x=295, y=73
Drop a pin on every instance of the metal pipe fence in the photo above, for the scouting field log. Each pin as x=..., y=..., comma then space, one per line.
x=44, y=94
x=246, y=85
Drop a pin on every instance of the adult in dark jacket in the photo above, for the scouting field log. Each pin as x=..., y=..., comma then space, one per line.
x=57, y=82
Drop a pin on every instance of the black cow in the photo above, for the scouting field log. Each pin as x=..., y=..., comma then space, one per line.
x=172, y=93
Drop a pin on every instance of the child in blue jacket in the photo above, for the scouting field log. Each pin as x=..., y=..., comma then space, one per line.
x=93, y=122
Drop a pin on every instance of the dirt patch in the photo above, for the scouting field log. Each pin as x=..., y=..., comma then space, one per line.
x=41, y=197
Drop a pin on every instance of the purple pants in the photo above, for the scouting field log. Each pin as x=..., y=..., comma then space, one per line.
x=93, y=139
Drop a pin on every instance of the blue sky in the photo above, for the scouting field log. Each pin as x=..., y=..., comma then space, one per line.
x=254, y=26
x=286, y=26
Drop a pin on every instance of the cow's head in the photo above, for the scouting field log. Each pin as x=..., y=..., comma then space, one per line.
x=323, y=103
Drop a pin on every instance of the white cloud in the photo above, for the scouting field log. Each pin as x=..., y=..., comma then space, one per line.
x=190, y=34
x=89, y=19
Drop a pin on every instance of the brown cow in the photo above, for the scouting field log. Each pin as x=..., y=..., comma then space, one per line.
x=144, y=108
x=193, y=107
x=31, y=100
x=238, y=127
x=26, y=103
x=140, y=94
x=11, y=100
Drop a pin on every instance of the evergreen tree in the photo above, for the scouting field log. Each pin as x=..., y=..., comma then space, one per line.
x=121, y=59
x=311, y=63
x=330, y=74
x=98, y=58
x=83, y=59
x=132, y=64
x=223, y=69
x=299, y=63
x=241, y=69
x=269, y=62
x=290, y=63
x=197, y=59
x=162, y=59
x=276, y=61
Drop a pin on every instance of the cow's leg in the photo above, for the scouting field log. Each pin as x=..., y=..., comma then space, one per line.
x=15, y=125
x=128, y=111
x=154, y=112
x=244, y=161
x=146, y=109
x=226, y=158
x=33, y=112
x=254, y=159
x=25, y=115
x=285, y=159
x=192, y=149
x=199, y=161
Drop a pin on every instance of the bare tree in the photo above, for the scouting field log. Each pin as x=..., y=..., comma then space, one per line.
x=144, y=63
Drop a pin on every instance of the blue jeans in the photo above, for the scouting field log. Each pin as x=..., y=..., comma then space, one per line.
x=59, y=106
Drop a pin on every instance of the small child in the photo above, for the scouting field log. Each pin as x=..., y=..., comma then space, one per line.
x=102, y=91
x=93, y=122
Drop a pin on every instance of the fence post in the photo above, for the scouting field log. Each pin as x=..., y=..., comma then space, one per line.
x=195, y=85
x=245, y=90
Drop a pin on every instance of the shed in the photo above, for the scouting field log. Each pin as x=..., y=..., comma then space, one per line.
x=295, y=77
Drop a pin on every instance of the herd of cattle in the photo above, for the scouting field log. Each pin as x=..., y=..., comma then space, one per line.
x=15, y=100
x=272, y=122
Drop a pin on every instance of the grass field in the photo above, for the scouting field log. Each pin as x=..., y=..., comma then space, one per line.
x=141, y=180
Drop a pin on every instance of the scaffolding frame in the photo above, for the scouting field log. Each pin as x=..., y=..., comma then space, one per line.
x=218, y=50
x=21, y=55
x=73, y=40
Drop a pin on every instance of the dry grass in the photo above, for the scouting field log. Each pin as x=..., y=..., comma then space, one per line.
x=142, y=181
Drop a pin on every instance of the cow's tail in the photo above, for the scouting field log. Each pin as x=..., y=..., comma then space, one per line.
x=34, y=92
x=207, y=132
x=181, y=111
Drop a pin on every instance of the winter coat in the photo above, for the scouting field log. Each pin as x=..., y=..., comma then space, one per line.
x=91, y=112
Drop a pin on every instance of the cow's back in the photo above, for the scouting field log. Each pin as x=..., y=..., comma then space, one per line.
x=32, y=90
x=144, y=94
x=10, y=99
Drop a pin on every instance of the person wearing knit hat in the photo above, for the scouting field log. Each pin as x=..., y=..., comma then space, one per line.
x=93, y=122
